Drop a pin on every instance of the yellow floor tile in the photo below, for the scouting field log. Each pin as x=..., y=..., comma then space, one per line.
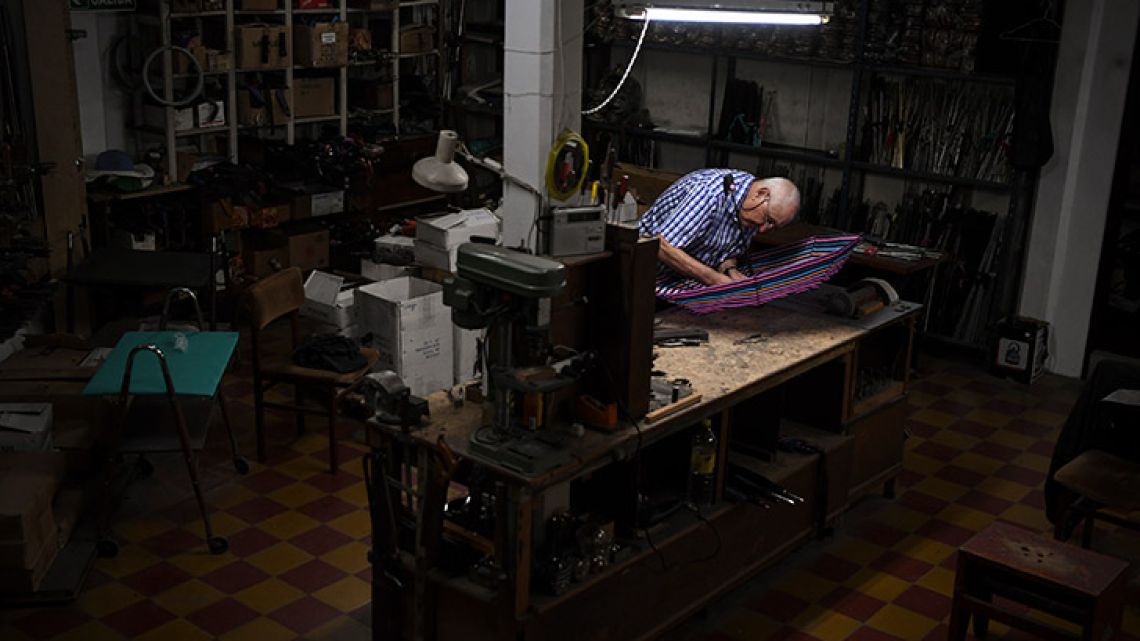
x=933, y=417
x=901, y=622
x=1003, y=489
x=880, y=585
x=955, y=439
x=287, y=525
x=355, y=524
x=1131, y=623
x=346, y=595
x=355, y=494
x=987, y=417
x=130, y=559
x=279, y=558
x=90, y=631
x=857, y=551
x=314, y=439
x=188, y=597
x=296, y=494
x=921, y=464
x=226, y=524
x=198, y=563
x=938, y=488
x=230, y=495
x=1034, y=462
x=809, y=587
x=176, y=630
x=965, y=517
x=966, y=397
x=301, y=467
x=747, y=625
x=350, y=557
x=268, y=595
x=260, y=629
x=978, y=463
x=1044, y=418
x=341, y=629
x=826, y=625
x=920, y=399
x=141, y=529
x=924, y=549
x=106, y=598
x=1027, y=516
x=940, y=580
x=1011, y=439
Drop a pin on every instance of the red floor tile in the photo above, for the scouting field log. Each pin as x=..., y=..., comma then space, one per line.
x=172, y=542
x=960, y=475
x=973, y=428
x=256, y=510
x=326, y=508
x=1029, y=428
x=926, y=602
x=266, y=481
x=320, y=540
x=222, y=616
x=304, y=614
x=155, y=579
x=330, y=483
x=995, y=451
x=871, y=634
x=137, y=619
x=250, y=541
x=1022, y=475
x=922, y=502
x=901, y=566
x=234, y=577
x=879, y=534
x=951, y=407
x=852, y=603
x=1002, y=406
x=313, y=576
x=937, y=451
x=919, y=428
x=47, y=623
x=791, y=634
x=944, y=532
x=984, y=502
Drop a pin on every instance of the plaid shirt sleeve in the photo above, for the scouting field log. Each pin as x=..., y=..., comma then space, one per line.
x=681, y=214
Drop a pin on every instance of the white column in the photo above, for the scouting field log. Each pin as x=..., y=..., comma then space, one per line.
x=542, y=71
x=1072, y=197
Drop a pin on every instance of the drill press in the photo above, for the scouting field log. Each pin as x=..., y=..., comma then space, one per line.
x=502, y=291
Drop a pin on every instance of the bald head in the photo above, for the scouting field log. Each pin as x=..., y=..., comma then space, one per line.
x=771, y=203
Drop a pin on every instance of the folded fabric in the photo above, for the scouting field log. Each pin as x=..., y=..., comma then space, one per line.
x=771, y=274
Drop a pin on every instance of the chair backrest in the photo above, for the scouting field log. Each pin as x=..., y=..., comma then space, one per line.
x=274, y=296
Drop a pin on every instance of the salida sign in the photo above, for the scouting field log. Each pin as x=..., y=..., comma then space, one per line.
x=104, y=5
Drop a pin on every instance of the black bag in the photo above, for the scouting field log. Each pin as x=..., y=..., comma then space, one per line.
x=329, y=352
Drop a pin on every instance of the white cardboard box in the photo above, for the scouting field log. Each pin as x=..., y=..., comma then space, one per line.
x=382, y=271
x=451, y=230
x=411, y=328
x=466, y=352
x=327, y=300
x=25, y=427
x=394, y=244
x=155, y=116
x=429, y=255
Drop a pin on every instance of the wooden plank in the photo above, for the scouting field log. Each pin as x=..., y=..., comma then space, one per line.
x=58, y=138
x=672, y=408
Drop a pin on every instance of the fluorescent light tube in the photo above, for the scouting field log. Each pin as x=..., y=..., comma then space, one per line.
x=665, y=14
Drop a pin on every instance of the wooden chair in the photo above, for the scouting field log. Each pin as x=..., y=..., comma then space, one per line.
x=266, y=301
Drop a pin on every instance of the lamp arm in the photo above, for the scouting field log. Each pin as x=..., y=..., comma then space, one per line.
x=498, y=169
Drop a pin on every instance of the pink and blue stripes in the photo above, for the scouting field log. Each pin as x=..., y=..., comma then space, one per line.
x=772, y=274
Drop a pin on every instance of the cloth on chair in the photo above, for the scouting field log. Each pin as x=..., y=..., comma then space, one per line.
x=772, y=274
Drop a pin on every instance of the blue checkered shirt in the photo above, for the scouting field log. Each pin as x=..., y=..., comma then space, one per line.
x=696, y=215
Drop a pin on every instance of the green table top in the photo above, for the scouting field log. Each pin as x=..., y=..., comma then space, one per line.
x=195, y=372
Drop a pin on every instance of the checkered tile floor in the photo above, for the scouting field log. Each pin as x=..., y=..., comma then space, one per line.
x=298, y=536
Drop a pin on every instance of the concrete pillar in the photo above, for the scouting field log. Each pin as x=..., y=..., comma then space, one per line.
x=542, y=81
x=1072, y=197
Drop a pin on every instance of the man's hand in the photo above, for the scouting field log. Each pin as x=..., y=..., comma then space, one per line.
x=729, y=269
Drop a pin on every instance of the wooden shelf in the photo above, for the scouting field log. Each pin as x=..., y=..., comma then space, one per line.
x=961, y=181
x=198, y=14
x=945, y=74
x=813, y=156
x=315, y=119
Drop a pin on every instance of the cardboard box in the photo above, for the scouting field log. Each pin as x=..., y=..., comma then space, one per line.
x=268, y=216
x=314, y=97
x=452, y=230
x=262, y=46
x=28, y=481
x=309, y=250
x=258, y=5
x=411, y=328
x=329, y=301
x=324, y=44
x=394, y=249
x=383, y=271
x=210, y=114
x=265, y=254
x=221, y=215
x=466, y=353
x=25, y=427
x=52, y=364
x=155, y=116
x=217, y=61
x=316, y=201
x=67, y=507
x=23, y=554
x=371, y=94
x=259, y=116
x=429, y=255
x=417, y=39
x=183, y=64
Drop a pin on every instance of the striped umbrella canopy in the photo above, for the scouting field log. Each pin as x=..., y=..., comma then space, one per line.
x=771, y=274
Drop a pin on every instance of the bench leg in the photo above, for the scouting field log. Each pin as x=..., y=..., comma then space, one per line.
x=981, y=621
x=959, y=613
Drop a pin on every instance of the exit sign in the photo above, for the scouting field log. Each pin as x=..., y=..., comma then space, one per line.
x=104, y=5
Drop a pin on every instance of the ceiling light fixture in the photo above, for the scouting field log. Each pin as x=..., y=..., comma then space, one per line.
x=774, y=12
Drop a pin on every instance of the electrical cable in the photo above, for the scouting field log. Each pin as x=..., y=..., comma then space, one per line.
x=624, y=76
x=197, y=66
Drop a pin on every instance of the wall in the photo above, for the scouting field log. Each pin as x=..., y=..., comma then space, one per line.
x=102, y=104
x=1067, y=228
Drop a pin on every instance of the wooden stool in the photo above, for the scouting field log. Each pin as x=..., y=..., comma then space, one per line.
x=1076, y=585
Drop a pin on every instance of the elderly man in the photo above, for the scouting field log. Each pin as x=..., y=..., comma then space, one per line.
x=706, y=220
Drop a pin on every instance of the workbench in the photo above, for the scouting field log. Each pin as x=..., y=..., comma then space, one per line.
x=806, y=376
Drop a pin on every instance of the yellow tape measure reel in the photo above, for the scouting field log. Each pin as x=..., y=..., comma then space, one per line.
x=566, y=166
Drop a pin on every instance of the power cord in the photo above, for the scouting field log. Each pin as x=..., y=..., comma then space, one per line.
x=624, y=76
